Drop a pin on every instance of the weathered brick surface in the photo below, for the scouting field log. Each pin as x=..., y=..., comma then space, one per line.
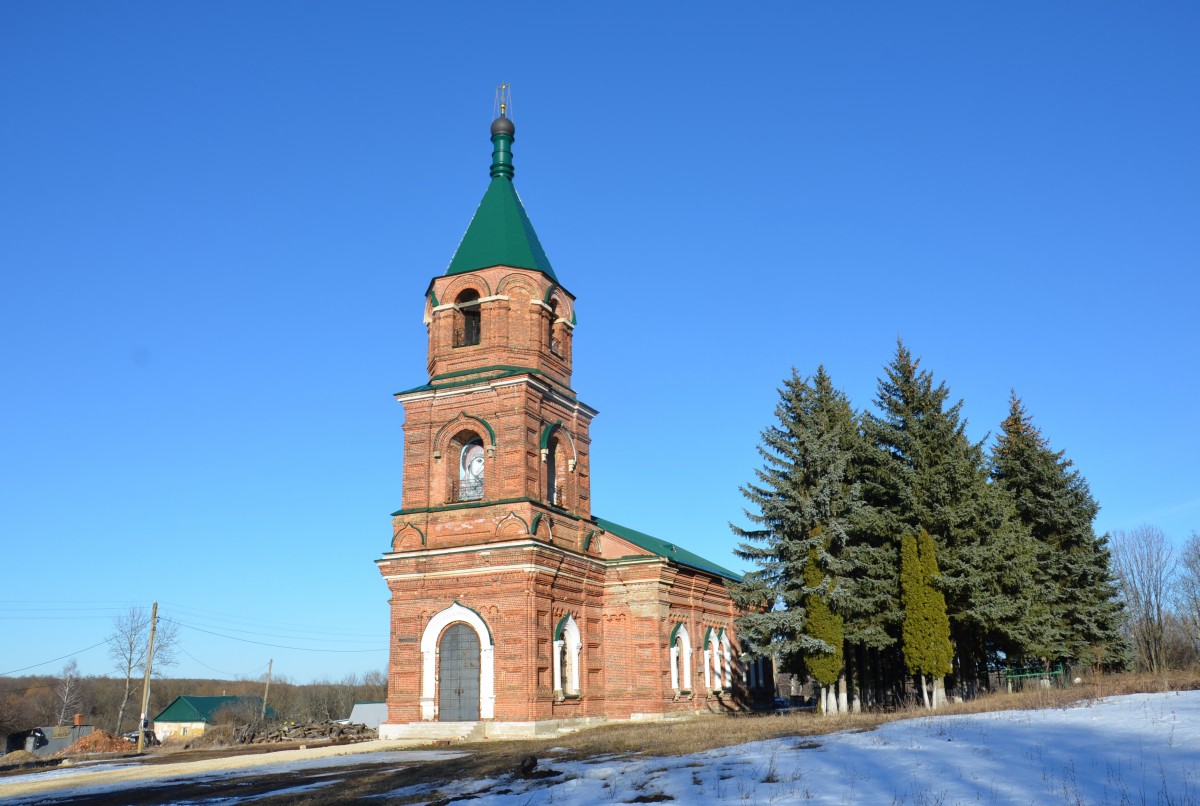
x=519, y=559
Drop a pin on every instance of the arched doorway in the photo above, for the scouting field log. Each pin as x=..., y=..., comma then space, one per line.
x=458, y=675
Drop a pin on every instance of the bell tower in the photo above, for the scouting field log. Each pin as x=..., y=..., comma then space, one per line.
x=496, y=501
x=497, y=431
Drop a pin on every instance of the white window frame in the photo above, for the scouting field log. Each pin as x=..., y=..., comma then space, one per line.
x=566, y=636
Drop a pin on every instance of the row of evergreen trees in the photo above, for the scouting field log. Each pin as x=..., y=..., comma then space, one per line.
x=890, y=547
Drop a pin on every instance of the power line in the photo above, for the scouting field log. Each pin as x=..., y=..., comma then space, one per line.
x=214, y=669
x=255, y=622
x=342, y=639
x=278, y=646
x=43, y=663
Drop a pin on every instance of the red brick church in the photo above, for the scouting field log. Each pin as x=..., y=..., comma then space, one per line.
x=513, y=608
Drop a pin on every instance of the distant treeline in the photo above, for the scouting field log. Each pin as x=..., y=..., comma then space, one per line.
x=36, y=700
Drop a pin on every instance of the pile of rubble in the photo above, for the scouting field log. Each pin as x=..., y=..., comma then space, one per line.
x=303, y=732
x=97, y=742
x=17, y=758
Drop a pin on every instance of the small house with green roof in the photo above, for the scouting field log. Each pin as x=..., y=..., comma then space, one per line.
x=514, y=609
x=189, y=716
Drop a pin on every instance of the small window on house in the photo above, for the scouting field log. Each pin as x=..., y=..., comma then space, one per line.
x=467, y=322
x=470, y=471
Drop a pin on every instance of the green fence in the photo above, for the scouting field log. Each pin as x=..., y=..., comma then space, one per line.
x=1017, y=678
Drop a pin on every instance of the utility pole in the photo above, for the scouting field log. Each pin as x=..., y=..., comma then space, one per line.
x=141, y=742
x=266, y=690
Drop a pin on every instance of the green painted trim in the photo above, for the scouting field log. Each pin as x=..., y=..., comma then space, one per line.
x=433, y=297
x=494, y=372
x=550, y=292
x=574, y=321
x=546, y=434
x=587, y=541
x=674, y=633
x=491, y=640
x=495, y=503
x=533, y=526
x=416, y=529
x=485, y=423
x=562, y=622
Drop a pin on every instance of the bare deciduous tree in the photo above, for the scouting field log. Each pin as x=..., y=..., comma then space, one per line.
x=69, y=692
x=1145, y=563
x=1189, y=588
x=127, y=646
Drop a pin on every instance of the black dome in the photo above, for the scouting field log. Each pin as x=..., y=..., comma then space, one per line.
x=503, y=125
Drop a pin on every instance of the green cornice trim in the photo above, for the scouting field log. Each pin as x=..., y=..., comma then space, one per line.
x=493, y=372
x=433, y=297
x=496, y=503
x=558, y=628
x=546, y=434
x=533, y=526
x=487, y=626
x=485, y=424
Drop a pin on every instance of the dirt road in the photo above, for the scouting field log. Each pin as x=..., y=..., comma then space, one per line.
x=287, y=773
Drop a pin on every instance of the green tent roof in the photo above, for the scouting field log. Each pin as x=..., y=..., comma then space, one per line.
x=201, y=709
x=666, y=550
x=500, y=233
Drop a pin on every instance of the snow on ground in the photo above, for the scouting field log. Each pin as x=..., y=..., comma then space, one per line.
x=1138, y=749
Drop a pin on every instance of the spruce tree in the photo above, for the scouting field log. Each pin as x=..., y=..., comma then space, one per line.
x=800, y=505
x=926, y=474
x=1076, y=592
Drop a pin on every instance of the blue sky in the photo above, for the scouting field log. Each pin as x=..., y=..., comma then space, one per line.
x=218, y=221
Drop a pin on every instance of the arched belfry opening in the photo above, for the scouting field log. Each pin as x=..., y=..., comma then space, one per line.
x=554, y=487
x=468, y=319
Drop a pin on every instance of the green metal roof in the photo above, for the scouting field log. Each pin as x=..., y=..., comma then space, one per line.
x=500, y=233
x=201, y=709
x=666, y=550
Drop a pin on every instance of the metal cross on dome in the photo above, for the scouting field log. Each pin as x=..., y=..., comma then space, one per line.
x=503, y=102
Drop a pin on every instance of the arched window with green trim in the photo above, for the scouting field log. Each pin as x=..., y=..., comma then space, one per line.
x=681, y=660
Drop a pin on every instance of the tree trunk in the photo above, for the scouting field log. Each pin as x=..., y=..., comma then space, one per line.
x=939, y=692
x=856, y=685
x=924, y=691
x=124, y=704
x=843, y=705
